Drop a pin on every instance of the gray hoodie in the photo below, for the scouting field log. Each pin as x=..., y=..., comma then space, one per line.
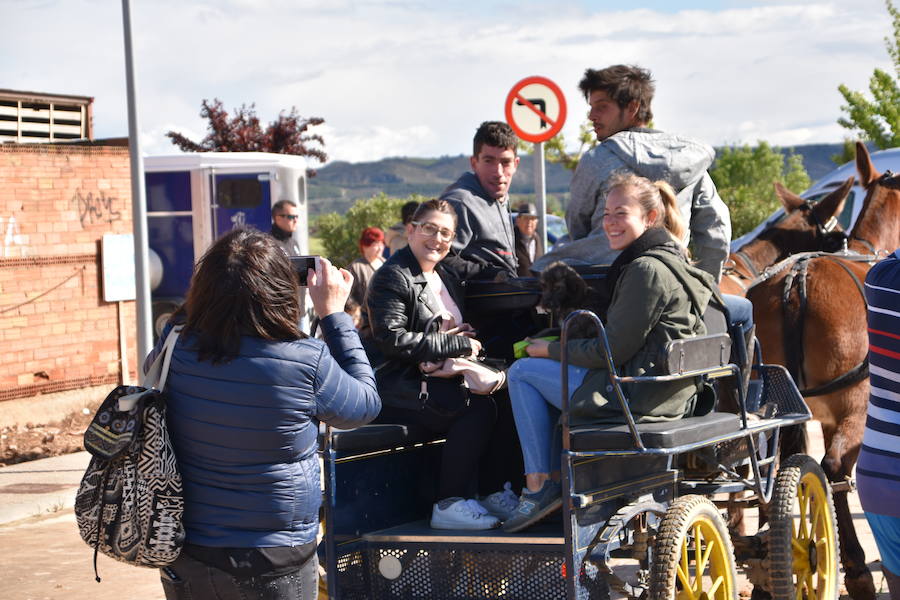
x=484, y=230
x=681, y=161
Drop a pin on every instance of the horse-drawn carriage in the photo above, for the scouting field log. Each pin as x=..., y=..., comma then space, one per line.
x=642, y=503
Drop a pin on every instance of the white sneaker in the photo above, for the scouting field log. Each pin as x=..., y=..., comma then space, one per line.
x=459, y=513
x=502, y=504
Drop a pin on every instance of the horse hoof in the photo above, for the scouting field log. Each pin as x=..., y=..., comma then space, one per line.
x=860, y=587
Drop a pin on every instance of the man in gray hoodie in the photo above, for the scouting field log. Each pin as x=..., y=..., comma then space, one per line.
x=484, y=230
x=619, y=99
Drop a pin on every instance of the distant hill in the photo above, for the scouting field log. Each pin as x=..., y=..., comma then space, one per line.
x=339, y=184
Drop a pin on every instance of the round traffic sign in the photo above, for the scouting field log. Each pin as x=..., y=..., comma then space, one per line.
x=536, y=109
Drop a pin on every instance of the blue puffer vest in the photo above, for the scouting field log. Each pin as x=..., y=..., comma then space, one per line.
x=245, y=432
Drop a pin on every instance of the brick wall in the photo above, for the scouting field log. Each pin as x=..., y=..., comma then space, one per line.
x=56, y=332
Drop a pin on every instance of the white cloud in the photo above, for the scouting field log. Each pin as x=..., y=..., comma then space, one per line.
x=408, y=77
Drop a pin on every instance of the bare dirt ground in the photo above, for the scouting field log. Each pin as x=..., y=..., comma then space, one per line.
x=32, y=441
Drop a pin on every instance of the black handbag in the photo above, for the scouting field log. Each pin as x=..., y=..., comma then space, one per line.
x=446, y=396
x=410, y=388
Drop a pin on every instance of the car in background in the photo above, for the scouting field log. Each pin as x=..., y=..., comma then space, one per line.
x=884, y=160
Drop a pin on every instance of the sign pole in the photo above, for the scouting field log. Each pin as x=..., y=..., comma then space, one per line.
x=536, y=110
x=540, y=191
x=138, y=203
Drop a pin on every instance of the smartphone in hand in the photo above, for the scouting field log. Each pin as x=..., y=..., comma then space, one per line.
x=302, y=265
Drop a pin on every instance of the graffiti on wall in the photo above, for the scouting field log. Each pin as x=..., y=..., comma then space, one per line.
x=14, y=243
x=95, y=208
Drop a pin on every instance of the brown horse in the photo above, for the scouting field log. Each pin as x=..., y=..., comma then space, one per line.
x=811, y=317
x=805, y=227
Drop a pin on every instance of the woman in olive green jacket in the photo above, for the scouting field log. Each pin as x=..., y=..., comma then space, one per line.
x=657, y=297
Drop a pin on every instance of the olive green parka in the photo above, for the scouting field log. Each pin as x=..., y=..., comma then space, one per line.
x=658, y=297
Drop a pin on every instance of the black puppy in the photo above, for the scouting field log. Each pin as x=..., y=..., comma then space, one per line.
x=563, y=291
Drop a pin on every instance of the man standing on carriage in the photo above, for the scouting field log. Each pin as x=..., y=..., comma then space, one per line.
x=484, y=232
x=485, y=237
x=619, y=97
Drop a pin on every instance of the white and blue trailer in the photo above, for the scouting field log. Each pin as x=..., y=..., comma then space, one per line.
x=193, y=199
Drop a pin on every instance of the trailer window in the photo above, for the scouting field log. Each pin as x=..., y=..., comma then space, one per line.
x=169, y=191
x=239, y=191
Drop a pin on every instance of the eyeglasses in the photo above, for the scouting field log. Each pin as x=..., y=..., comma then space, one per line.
x=289, y=217
x=432, y=230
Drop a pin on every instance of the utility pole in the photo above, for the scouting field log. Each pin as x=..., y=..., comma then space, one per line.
x=138, y=201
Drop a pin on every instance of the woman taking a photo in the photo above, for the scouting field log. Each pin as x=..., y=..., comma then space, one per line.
x=404, y=296
x=656, y=297
x=246, y=392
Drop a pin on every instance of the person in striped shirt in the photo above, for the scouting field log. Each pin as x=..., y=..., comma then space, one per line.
x=878, y=469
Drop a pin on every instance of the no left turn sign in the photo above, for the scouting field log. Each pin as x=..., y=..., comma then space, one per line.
x=536, y=109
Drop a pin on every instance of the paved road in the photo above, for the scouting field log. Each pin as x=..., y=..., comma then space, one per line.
x=43, y=558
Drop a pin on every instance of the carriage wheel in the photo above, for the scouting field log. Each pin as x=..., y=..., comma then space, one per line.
x=693, y=558
x=803, y=542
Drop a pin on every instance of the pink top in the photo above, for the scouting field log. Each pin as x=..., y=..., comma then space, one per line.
x=452, y=317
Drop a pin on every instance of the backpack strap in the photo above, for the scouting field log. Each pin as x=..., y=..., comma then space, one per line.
x=156, y=375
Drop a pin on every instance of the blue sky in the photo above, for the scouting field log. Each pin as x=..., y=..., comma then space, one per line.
x=414, y=77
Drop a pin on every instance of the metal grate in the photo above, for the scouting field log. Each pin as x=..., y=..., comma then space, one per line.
x=780, y=393
x=439, y=572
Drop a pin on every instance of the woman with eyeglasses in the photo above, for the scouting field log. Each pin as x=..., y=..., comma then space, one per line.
x=412, y=287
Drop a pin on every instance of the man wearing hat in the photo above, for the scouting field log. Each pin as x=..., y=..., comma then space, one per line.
x=529, y=246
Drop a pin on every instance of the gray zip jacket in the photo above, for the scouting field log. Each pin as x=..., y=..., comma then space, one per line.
x=484, y=230
x=679, y=160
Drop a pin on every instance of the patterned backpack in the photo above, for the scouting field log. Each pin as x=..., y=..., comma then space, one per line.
x=129, y=503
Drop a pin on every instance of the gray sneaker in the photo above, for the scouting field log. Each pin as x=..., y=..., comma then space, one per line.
x=502, y=504
x=534, y=506
x=459, y=513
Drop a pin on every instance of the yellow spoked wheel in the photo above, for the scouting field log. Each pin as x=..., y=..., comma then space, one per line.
x=693, y=558
x=803, y=542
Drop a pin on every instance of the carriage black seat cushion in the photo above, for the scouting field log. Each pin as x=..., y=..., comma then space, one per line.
x=382, y=436
x=666, y=434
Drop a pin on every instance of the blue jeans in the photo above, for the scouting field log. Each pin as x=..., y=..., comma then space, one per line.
x=535, y=390
x=740, y=311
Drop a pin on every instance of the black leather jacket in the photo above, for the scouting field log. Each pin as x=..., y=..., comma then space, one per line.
x=399, y=307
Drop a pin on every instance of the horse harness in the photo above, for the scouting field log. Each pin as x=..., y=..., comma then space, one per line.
x=794, y=325
x=822, y=229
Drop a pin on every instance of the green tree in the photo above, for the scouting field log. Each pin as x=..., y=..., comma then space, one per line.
x=339, y=233
x=744, y=177
x=555, y=148
x=847, y=153
x=877, y=119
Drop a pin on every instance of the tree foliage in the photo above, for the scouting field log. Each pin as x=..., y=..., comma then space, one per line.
x=744, y=177
x=242, y=132
x=340, y=232
x=555, y=148
x=877, y=119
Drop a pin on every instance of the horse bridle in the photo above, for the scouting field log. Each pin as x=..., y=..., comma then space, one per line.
x=890, y=180
x=822, y=229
